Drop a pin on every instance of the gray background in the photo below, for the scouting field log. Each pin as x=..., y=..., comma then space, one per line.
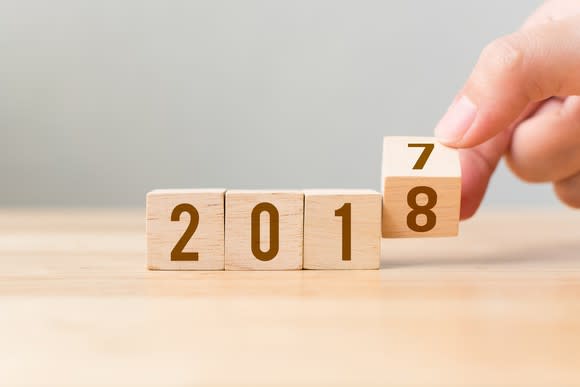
x=101, y=101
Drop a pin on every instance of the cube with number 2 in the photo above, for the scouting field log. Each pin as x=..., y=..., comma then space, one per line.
x=421, y=181
x=185, y=229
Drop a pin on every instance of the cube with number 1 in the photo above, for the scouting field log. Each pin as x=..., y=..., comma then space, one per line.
x=421, y=181
x=342, y=229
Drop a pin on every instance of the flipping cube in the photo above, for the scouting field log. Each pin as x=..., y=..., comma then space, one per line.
x=421, y=188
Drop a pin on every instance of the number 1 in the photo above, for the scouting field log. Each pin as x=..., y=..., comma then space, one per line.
x=344, y=213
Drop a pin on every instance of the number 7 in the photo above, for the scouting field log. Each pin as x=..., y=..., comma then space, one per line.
x=422, y=160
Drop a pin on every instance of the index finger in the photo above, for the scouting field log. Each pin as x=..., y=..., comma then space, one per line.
x=525, y=67
x=478, y=164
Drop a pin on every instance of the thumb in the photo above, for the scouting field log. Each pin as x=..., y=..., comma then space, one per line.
x=512, y=72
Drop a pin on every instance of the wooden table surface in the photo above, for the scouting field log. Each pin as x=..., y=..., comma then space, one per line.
x=498, y=305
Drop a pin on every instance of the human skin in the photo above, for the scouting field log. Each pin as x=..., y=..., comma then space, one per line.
x=522, y=102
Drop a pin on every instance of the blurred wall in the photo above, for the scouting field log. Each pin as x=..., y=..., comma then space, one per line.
x=101, y=101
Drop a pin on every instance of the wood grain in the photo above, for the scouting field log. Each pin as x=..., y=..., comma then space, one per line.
x=498, y=305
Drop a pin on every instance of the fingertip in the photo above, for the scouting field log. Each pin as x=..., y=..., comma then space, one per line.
x=568, y=191
x=475, y=175
x=468, y=208
x=456, y=122
x=471, y=197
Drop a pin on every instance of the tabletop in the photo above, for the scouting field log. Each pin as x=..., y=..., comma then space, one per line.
x=500, y=304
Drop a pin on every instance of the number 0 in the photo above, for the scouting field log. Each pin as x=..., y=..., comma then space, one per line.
x=274, y=231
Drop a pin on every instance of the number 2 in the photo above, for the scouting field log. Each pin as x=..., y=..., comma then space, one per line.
x=177, y=254
x=422, y=160
x=345, y=213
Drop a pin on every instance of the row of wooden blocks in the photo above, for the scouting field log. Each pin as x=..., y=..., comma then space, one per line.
x=215, y=229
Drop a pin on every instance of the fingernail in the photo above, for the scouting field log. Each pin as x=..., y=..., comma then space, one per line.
x=457, y=121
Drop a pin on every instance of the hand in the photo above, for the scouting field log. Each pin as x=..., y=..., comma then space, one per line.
x=522, y=101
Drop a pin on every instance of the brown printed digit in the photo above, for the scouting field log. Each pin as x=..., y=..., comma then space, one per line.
x=345, y=213
x=177, y=254
x=274, y=231
x=424, y=156
x=421, y=210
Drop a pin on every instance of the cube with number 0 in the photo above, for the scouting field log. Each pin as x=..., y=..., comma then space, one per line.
x=185, y=229
x=264, y=230
x=421, y=181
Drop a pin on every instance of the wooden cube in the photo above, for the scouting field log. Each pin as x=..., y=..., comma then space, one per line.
x=264, y=230
x=342, y=229
x=421, y=188
x=185, y=229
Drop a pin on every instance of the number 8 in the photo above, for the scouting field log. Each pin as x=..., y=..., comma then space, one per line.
x=425, y=210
